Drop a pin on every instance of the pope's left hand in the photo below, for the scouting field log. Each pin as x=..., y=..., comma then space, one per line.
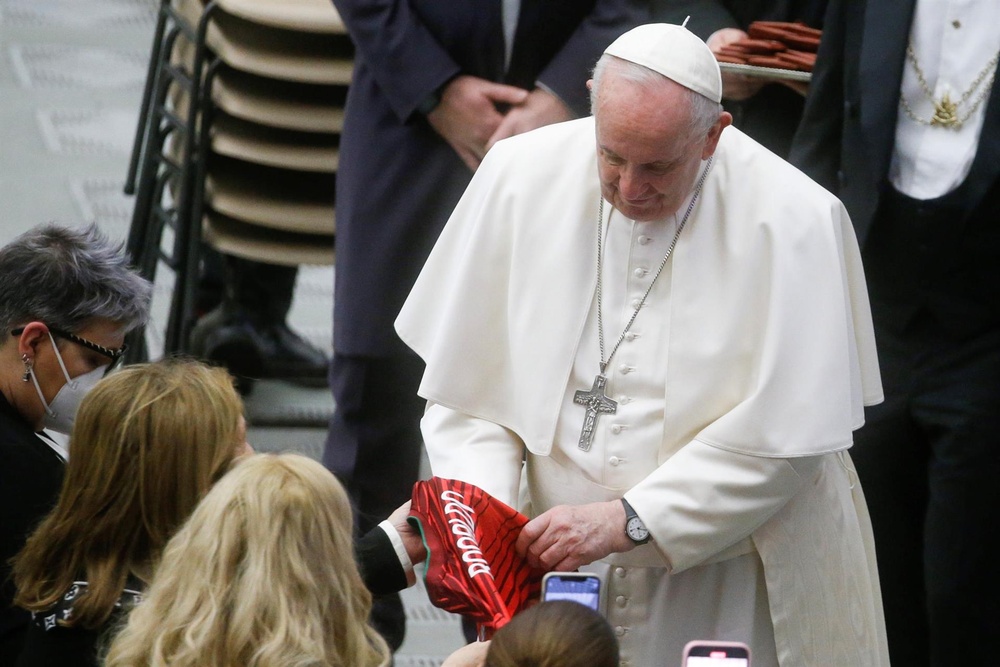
x=568, y=536
x=539, y=108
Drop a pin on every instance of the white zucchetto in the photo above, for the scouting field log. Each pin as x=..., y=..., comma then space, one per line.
x=673, y=51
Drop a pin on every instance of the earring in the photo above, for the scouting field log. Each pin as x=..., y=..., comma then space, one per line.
x=28, y=364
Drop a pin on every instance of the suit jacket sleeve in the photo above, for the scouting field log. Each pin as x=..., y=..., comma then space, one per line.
x=816, y=148
x=379, y=565
x=568, y=71
x=405, y=58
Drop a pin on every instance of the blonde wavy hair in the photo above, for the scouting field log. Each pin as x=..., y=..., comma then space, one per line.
x=148, y=443
x=262, y=575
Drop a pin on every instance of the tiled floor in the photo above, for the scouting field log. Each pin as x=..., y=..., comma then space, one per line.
x=71, y=77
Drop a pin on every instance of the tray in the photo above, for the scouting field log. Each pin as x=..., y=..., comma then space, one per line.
x=766, y=72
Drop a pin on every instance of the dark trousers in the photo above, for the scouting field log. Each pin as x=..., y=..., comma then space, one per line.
x=257, y=290
x=374, y=446
x=929, y=463
x=929, y=456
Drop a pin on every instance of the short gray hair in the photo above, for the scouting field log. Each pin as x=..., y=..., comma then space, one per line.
x=66, y=278
x=704, y=112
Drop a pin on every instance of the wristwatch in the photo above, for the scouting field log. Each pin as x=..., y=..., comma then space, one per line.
x=634, y=527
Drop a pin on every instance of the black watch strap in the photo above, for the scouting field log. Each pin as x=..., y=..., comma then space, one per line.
x=635, y=529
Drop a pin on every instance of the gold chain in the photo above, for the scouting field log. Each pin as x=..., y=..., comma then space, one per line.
x=946, y=111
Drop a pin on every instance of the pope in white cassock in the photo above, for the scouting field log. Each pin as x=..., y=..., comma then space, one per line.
x=659, y=350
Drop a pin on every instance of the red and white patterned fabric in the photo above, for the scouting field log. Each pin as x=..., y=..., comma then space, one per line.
x=472, y=568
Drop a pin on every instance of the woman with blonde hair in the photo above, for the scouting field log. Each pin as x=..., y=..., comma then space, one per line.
x=148, y=443
x=262, y=575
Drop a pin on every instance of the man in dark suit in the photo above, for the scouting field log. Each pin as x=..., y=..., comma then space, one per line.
x=767, y=110
x=903, y=123
x=435, y=84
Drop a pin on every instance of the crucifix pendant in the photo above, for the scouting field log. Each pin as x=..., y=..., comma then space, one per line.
x=597, y=403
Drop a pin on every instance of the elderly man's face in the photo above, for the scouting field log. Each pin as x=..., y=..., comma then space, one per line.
x=647, y=162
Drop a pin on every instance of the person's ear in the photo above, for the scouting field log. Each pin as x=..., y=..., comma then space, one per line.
x=712, y=138
x=590, y=84
x=31, y=336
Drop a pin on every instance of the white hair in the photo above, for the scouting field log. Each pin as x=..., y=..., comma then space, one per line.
x=704, y=112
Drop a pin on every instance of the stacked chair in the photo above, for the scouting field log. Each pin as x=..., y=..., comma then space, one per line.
x=236, y=146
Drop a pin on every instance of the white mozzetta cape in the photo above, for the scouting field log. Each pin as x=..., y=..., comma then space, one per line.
x=771, y=345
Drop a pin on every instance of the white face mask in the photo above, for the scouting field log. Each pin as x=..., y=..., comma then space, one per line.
x=61, y=413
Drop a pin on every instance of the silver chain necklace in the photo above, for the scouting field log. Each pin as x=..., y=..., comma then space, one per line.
x=595, y=400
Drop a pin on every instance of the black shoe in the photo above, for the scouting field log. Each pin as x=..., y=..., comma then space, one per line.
x=251, y=351
x=206, y=325
x=288, y=355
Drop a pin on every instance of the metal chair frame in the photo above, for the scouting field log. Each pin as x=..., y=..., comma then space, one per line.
x=152, y=170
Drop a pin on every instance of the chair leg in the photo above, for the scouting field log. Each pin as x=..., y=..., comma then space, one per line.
x=153, y=137
x=155, y=168
x=139, y=143
x=187, y=242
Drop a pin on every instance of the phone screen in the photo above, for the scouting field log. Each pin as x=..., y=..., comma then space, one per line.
x=585, y=590
x=707, y=655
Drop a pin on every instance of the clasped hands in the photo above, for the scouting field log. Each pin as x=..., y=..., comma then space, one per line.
x=469, y=117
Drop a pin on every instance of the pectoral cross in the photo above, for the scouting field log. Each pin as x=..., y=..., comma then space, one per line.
x=597, y=403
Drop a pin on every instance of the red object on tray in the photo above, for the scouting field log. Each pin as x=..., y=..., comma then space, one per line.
x=774, y=44
x=472, y=568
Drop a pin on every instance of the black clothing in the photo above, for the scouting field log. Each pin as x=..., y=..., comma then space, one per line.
x=929, y=456
x=30, y=478
x=50, y=644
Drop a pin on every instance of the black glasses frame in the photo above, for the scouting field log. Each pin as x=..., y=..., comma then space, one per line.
x=114, y=355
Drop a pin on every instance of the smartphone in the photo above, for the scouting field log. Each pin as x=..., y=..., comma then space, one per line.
x=716, y=654
x=582, y=587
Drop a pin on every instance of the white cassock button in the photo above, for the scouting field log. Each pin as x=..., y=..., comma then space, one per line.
x=623, y=399
x=639, y=273
x=630, y=336
x=643, y=240
x=621, y=601
x=620, y=572
x=636, y=303
x=624, y=369
x=616, y=428
x=619, y=631
x=614, y=460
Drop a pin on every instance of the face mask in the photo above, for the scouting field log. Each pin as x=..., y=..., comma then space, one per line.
x=61, y=413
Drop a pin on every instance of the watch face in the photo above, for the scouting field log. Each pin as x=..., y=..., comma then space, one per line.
x=636, y=530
